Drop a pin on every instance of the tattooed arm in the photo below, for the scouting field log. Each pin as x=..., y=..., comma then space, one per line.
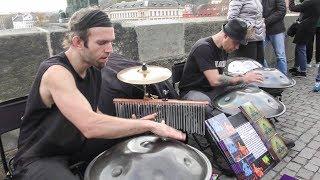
x=225, y=80
x=215, y=79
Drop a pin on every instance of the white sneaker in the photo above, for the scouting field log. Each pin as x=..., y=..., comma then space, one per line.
x=309, y=65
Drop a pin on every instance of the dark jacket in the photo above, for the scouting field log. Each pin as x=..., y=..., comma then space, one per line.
x=273, y=13
x=309, y=14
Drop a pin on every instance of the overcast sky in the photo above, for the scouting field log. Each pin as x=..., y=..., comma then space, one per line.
x=32, y=5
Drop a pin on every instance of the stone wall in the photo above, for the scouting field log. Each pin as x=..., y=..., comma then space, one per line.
x=21, y=52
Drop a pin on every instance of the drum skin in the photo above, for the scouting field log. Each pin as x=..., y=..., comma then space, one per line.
x=230, y=101
x=150, y=157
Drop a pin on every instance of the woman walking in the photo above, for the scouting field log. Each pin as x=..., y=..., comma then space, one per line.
x=250, y=11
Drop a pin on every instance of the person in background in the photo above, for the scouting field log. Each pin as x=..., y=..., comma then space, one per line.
x=316, y=87
x=249, y=11
x=309, y=15
x=310, y=47
x=274, y=12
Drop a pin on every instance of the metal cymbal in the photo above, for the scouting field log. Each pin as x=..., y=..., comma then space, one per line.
x=144, y=74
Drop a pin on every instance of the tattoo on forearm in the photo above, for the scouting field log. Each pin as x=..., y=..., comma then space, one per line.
x=241, y=81
x=225, y=80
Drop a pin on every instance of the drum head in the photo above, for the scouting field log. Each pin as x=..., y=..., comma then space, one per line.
x=269, y=106
x=241, y=65
x=150, y=157
x=273, y=78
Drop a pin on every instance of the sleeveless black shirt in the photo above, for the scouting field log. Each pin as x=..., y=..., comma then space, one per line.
x=45, y=132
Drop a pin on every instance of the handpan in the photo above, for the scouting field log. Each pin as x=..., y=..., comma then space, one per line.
x=150, y=157
x=230, y=101
x=273, y=78
x=144, y=74
x=241, y=65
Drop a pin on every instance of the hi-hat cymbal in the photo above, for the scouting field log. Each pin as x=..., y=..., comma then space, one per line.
x=144, y=74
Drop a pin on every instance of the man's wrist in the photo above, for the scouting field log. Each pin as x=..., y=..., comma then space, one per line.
x=238, y=79
x=225, y=80
x=241, y=79
x=150, y=125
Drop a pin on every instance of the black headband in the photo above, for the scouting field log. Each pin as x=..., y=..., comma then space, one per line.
x=95, y=18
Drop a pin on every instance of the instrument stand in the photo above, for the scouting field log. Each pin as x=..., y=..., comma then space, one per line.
x=148, y=95
x=145, y=94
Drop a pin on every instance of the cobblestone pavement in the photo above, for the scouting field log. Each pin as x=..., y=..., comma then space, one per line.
x=301, y=123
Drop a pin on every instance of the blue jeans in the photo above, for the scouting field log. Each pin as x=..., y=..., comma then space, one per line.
x=277, y=42
x=318, y=75
x=301, y=57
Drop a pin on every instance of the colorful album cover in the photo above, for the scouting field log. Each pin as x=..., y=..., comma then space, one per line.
x=221, y=126
x=265, y=161
x=234, y=148
x=251, y=168
x=266, y=128
x=278, y=146
x=211, y=131
x=252, y=140
x=251, y=147
x=243, y=169
x=250, y=111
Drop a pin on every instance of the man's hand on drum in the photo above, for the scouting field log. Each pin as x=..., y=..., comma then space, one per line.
x=151, y=117
x=251, y=77
x=163, y=130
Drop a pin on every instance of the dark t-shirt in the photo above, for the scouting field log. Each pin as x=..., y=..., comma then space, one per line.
x=204, y=55
x=45, y=131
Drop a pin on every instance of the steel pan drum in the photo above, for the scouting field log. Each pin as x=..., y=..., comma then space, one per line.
x=241, y=65
x=269, y=106
x=151, y=158
x=273, y=78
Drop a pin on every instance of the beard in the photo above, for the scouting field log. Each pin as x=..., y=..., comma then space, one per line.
x=100, y=65
x=95, y=61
